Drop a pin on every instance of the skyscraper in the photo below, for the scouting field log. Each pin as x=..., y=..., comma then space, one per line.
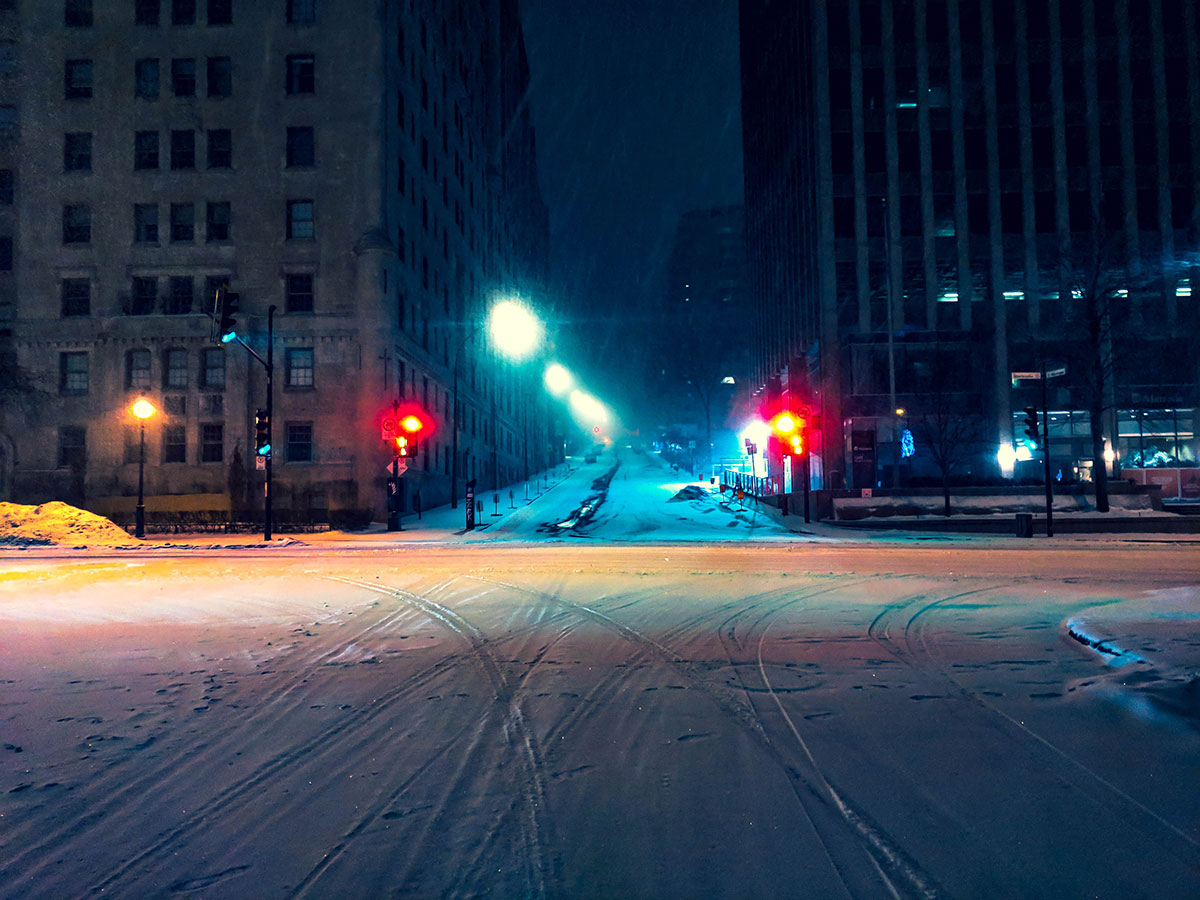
x=940, y=193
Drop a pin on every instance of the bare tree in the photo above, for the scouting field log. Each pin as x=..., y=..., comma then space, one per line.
x=949, y=433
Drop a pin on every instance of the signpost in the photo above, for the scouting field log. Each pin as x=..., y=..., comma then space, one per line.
x=471, y=505
x=1044, y=376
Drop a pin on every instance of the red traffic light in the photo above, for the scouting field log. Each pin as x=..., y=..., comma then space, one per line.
x=412, y=423
x=596, y=429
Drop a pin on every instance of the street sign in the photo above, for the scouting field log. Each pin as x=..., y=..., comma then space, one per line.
x=401, y=467
x=1022, y=376
x=387, y=428
x=1055, y=373
x=260, y=463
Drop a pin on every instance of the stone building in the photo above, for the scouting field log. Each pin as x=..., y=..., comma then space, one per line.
x=365, y=167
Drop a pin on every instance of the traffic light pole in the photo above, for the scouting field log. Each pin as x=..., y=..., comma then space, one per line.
x=269, y=365
x=1046, y=453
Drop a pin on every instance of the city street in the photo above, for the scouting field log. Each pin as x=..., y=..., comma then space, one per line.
x=540, y=714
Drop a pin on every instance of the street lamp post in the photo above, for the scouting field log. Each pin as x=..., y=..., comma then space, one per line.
x=143, y=409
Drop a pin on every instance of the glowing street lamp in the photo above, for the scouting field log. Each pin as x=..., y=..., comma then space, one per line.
x=142, y=409
x=558, y=380
x=514, y=330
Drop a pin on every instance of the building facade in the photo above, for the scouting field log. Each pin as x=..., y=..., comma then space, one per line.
x=365, y=168
x=700, y=340
x=941, y=193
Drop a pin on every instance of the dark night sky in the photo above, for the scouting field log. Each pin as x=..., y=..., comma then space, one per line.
x=636, y=107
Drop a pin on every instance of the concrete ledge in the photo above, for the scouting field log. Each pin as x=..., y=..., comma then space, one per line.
x=1072, y=524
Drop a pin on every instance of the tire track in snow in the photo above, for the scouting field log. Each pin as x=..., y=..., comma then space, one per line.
x=116, y=791
x=917, y=654
x=517, y=732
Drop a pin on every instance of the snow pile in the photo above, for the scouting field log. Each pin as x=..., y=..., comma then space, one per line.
x=60, y=524
x=690, y=492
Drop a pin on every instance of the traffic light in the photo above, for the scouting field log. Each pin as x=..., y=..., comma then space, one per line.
x=789, y=431
x=262, y=433
x=1031, y=428
x=411, y=427
x=227, y=307
x=406, y=446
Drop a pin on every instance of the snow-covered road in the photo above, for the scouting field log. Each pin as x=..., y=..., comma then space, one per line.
x=585, y=720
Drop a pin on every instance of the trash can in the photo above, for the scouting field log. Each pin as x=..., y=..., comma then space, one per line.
x=1025, y=525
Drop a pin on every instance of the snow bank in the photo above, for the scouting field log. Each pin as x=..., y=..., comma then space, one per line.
x=58, y=524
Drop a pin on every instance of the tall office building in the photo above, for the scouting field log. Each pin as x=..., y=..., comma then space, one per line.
x=940, y=193
x=366, y=168
x=700, y=344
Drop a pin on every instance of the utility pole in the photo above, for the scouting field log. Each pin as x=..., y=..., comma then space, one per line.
x=1046, y=453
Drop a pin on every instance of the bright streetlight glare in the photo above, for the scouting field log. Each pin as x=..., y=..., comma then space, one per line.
x=515, y=331
x=558, y=379
x=586, y=407
x=756, y=432
x=143, y=408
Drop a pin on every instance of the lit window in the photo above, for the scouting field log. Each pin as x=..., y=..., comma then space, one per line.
x=175, y=369
x=212, y=370
x=137, y=369
x=300, y=224
x=299, y=367
x=73, y=373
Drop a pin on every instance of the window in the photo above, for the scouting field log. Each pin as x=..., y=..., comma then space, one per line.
x=77, y=224
x=301, y=12
x=6, y=187
x=144, y=297
x=175, y=369
x=146, y=79
x=301, y=147
x=183, y=149
x=77, y=151
x=175, y=404
x=183, y=12
x=174, y=444
x=145, y=12
x=133, y=443
x=216, y=219
x=76, y=295
x=401, y=250
x=181, y=295
x=301, y=73
x=77, y=13
x=183, y=77
x=78, y=79
x=220, y=76
x=72, y=447
x=300, y=293
x=212, y=369
x=212, y=442
x=183, y=222
x=220, y=148
x=299, y=367
x=73, y=373
x=6, y=254
x=300, y=220
x=220, y=12
x=145, y=223
x=145, y=150
x=401, y=175
x=299, y=441
x=137, y=369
